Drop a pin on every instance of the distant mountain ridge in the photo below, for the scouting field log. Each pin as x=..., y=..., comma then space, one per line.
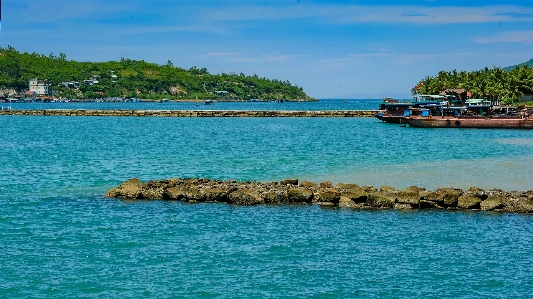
x=510, y=68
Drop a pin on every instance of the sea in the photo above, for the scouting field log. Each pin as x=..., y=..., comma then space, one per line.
x=61, y=238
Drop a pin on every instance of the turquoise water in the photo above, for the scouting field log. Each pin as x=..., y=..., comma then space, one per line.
x=351, y=104
x=59, y=237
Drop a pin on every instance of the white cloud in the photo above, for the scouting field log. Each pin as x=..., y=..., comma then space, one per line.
x=524, y=37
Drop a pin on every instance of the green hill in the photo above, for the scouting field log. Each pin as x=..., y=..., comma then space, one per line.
x=132, y=78
x=510, y=68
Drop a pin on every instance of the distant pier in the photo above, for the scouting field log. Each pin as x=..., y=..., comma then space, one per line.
x=192, y=113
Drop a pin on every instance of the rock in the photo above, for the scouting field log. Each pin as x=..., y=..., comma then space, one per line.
x=381, y=199
x=342, y=195
x=132, y=182
x=299, y=195
x=245, y=197
x=327, y=195
x=475, y=189
x=309, y=185
x=424, y=194
x=388, y=189
x=344, y=186
x=468, y=202
x=356, y=194
x=428, y=204
x=193, y=192
x=403, y=206
x=345, y=202
x=174, y=193
x=519, y=205
x=289, y=182
x=130, y=189
x=369, y=189
x=477, y=192
x=326, y=185
x=493, y=202
x=408, y=196
x=152, y=193
x=275, y=196
x=216, y=194
x=445, y=196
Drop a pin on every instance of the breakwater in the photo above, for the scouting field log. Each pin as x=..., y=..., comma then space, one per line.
x=193, y=113
x=291, y=191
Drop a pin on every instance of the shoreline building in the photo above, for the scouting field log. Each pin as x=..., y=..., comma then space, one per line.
x=40, y=87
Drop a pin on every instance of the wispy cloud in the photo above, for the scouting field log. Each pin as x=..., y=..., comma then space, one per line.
x=249, y=57
x=336, y=13
x=523, y=37
x=390, y=58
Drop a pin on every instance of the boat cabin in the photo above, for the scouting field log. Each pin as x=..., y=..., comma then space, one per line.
x=395, y=109
x=424, y=112
x=429, y=98
x=453, y=111
x=478, y=110
x=477, y=102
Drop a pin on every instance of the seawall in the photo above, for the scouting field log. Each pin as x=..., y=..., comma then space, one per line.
x=291, y=191
x=193, y=113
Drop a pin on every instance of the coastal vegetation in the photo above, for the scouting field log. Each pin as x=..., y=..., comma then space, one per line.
x=496, y=84
x=129, y=78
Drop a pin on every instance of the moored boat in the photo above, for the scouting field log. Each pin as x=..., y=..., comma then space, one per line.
x=472, y=117
x=393, y=111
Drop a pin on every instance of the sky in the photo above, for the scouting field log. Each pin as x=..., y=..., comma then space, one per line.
x=332, y=49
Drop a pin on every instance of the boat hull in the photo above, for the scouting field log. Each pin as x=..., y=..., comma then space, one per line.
x=474, y=122
x=396, y=119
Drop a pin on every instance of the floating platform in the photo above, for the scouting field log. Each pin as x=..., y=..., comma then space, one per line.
x=193, y=113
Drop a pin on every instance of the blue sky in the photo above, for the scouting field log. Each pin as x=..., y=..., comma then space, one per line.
x=333, y=49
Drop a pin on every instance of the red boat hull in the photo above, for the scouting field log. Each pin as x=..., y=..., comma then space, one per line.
x=470, y=122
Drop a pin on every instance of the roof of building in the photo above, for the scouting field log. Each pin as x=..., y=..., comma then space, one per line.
x=453, y=91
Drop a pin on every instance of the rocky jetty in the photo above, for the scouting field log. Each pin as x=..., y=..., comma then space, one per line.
x=291, y=191
x=193, y=113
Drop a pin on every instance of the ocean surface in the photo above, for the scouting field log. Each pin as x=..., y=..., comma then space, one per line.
x=60, y=238
x=329, y=104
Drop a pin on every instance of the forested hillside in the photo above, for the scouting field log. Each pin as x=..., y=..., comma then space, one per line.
x=492, y=84
x=529, y=63
x=139, y=79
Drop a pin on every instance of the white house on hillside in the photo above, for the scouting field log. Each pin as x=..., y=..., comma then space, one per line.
x=40, y=87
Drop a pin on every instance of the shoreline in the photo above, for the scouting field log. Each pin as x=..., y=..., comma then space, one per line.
x=192, y=113
x=291, y=191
